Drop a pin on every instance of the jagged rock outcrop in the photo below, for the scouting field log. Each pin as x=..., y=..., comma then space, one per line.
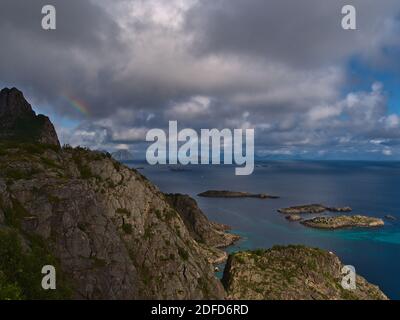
x=205, y=232
x=19, y=122
x=292, y=273
x=111, y=233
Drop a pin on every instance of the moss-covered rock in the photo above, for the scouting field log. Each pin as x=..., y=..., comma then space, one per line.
x=21, y=265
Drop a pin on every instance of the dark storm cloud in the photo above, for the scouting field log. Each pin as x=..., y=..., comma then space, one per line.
x=278, y=65
x=304, y=33
x=90, y=57
x=48, y=64
x=80, y=23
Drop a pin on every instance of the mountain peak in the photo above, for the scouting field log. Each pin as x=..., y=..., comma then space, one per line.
x=19, y=122
x=13, y=103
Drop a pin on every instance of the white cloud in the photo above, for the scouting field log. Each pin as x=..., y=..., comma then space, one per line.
x=387, y=152
x=325, y=112
x=129, y=134
x=392, y=121
x=195, y=107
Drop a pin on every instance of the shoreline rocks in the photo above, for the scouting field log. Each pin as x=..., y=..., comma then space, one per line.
x=343, y=222
x=234, y=194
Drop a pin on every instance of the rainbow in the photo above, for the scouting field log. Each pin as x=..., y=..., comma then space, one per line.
x=78, y=104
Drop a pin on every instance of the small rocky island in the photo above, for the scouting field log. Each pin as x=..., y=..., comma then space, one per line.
x=312, y=209
x=343, y=222
x=291, y=273
x=294, y=214
x=235, y=194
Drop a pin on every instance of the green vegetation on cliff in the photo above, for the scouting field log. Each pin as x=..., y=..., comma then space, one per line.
x=21, y=265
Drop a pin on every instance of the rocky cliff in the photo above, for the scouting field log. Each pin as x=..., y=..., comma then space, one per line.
x=210, y=235
x=201, y=229
x=291, y=273
x=19, y=122
x=110, y=233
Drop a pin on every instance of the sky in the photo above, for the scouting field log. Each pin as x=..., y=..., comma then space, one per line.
x=112, y=70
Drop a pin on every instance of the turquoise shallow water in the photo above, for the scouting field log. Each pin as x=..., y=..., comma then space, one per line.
x=370, y=188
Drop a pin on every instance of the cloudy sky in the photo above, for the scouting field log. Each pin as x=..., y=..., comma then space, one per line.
x=112, y=70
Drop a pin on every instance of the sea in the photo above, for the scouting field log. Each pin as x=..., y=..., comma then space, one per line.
x=370, y=188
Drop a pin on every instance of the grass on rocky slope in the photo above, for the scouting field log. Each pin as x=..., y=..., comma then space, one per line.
x=21, y=265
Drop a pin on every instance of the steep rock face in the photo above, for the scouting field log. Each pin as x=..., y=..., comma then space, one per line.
x=19, y=122
x=291, y=273
x=210, y=235
x=201, y=229
x=114, y=233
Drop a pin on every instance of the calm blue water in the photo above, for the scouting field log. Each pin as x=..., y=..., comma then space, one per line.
x=370, y=188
